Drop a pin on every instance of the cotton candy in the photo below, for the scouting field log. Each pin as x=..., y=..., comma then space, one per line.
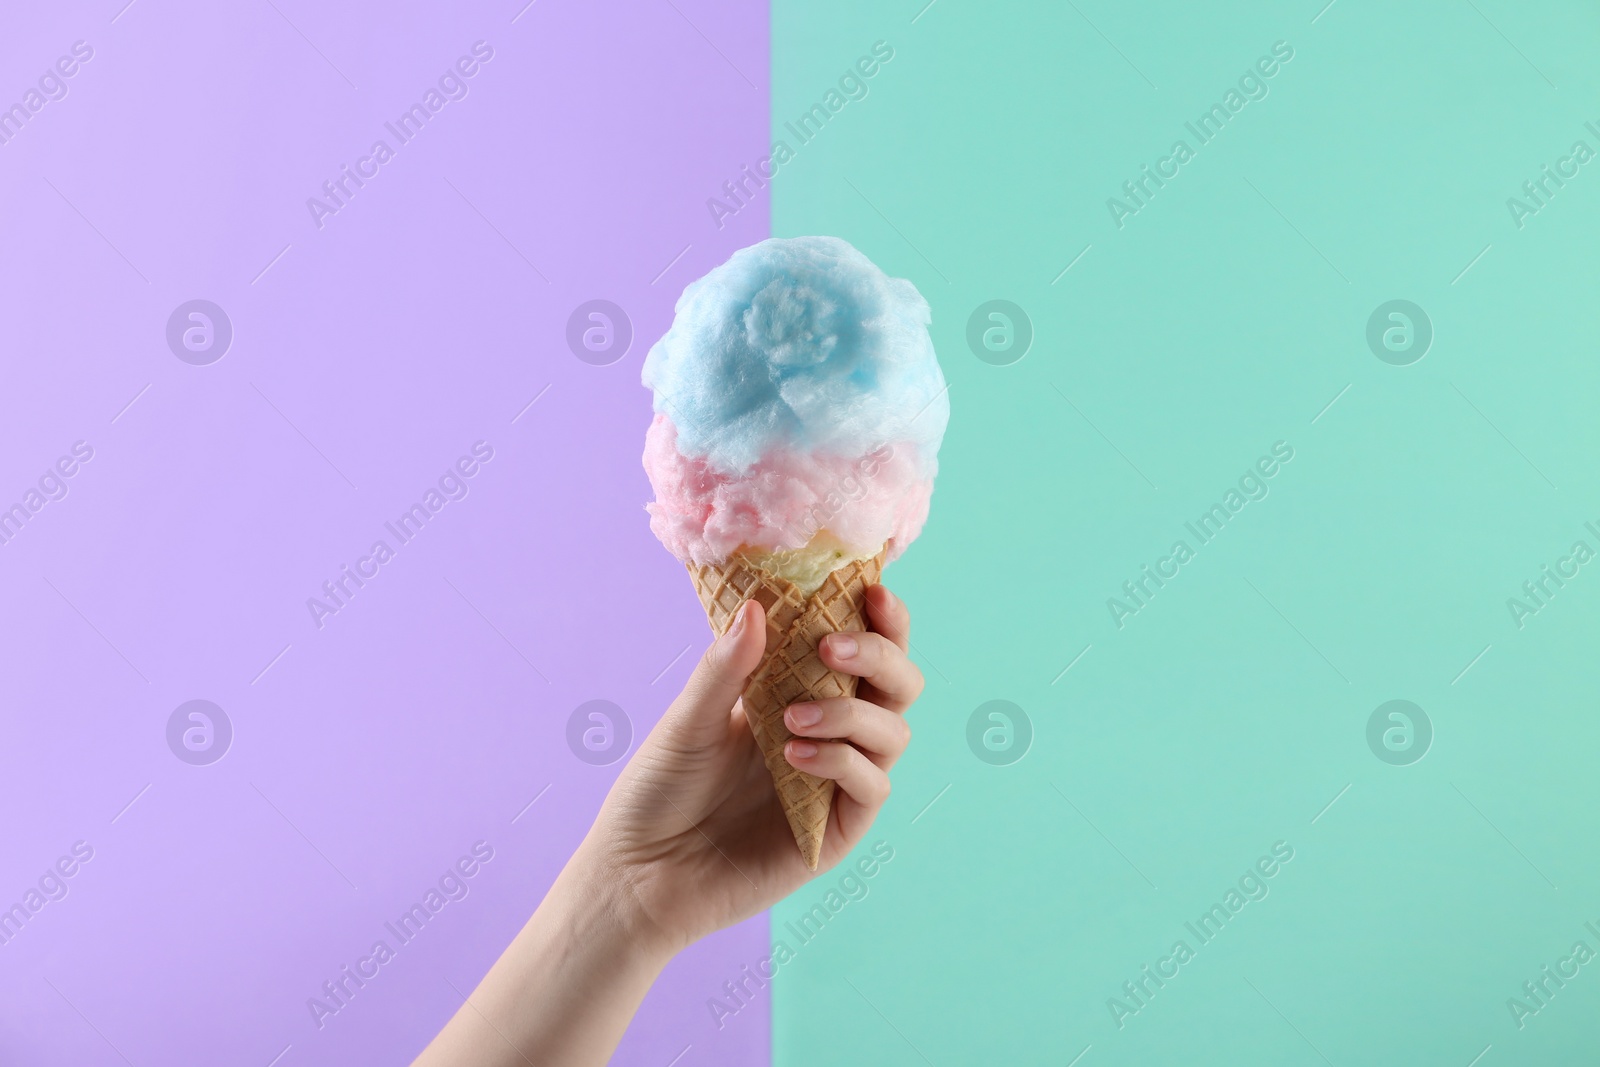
x=800, y=343
x=797, y=391
x=703, y=515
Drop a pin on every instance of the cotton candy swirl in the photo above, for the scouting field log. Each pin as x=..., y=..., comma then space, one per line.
x=799, y=408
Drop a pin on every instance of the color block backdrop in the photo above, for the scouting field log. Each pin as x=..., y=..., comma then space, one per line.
x=1166, y=736
x=415, y=317
x=1255, y=603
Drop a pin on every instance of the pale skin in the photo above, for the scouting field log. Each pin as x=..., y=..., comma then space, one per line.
x=691, y=839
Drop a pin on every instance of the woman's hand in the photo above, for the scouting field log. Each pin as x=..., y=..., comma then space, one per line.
x=693, y=828
x=692, y=838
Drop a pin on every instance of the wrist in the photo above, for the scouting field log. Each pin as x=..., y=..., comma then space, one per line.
x=599, y=901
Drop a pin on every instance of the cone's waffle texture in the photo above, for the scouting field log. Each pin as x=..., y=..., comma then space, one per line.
x=791, y=671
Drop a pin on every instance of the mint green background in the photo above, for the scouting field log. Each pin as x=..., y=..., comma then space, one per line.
x=1194, y=338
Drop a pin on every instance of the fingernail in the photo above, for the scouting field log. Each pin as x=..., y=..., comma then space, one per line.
x=802, y=749
x=805, y=715
x=738, y=620
x=842, y=646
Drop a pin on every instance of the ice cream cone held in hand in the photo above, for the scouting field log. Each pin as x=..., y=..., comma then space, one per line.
x=799, y=409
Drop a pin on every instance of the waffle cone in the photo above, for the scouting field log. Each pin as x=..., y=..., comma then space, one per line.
x=790, y=671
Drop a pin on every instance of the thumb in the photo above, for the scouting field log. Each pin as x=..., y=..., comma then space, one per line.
x=717, y=681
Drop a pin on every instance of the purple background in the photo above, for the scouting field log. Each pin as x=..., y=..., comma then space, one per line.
x=366, y=358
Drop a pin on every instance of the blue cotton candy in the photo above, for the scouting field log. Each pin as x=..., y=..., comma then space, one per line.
x=798, y=344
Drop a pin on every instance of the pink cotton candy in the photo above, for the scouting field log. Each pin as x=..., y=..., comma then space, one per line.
x=703, y=515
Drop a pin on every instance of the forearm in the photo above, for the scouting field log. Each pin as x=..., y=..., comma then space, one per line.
x=566, y=988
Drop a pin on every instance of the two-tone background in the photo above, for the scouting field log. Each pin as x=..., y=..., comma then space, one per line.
x=1370, y=272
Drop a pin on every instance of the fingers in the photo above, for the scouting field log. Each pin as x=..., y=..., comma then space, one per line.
x=863, y=781
x=889, y=616
x=878, y=732
x=882, y=663
x=720, y=676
